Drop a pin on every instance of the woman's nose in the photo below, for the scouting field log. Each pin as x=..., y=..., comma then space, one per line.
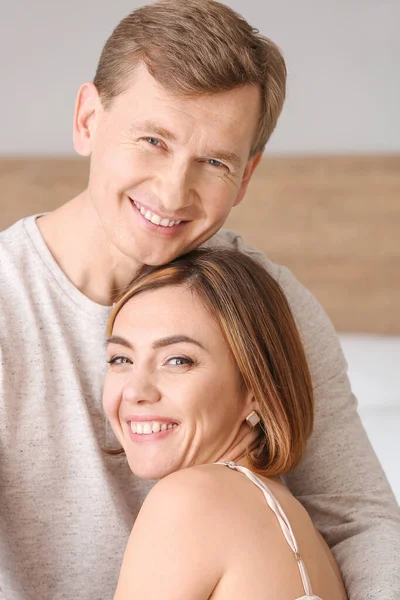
x=141, y=392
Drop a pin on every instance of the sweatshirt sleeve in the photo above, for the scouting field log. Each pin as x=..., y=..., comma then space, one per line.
x=340, y=480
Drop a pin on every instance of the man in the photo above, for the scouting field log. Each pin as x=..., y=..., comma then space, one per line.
x=185, y=97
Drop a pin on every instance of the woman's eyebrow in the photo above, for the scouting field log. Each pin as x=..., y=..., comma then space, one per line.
x=120, y=341
x=175, y=339
x=161, y=343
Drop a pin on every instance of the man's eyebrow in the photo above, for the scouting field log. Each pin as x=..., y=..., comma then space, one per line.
x=120, y=341
x=175, y=339
x=152, y=127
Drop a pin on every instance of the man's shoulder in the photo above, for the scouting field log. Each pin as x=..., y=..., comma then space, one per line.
x=228, y=238
x=14, y=239
x=300, y=298
x=316, y=330
x=19, y=265
x=11, y=232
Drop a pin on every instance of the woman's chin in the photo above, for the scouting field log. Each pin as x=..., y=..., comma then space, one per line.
x=149, y=470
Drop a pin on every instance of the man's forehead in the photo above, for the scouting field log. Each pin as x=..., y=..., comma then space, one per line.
x=239, y=104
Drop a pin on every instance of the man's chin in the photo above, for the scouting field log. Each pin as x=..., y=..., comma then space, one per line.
x=163, y=258
x=165, y=255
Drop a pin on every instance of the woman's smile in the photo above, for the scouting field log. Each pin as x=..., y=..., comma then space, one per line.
x=147, y=429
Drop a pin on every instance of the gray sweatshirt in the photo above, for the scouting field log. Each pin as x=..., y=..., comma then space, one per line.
x=67, y=507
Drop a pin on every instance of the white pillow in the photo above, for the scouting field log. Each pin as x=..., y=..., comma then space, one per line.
x=374, y=371
x=374, y=368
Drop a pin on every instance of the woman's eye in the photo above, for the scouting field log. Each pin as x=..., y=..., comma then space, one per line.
x=153, y=141
x=119, y=360
x=180, y=361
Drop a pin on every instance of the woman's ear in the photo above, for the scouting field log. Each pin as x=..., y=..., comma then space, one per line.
x=250, y=405
x=86, y=112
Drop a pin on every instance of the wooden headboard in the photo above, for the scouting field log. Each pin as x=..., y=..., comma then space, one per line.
x=335, y=221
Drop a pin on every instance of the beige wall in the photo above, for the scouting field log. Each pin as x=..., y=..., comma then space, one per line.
x=334, y=221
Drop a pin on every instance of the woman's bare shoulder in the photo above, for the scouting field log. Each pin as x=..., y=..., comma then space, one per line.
x=225, y=517
x=208, y=530
x=175, y=544
x=216, y=500
x=206, y=489
x=210, y=498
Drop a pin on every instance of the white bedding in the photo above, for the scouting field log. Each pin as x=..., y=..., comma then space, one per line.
x=374, y=371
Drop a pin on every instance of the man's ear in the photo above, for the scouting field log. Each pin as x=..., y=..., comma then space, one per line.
x=248, y=172
x=86, y=110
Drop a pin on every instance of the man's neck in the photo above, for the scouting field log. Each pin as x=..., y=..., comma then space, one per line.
x=75, y=238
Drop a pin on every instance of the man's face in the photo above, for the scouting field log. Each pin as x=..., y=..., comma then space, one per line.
x=166, y=170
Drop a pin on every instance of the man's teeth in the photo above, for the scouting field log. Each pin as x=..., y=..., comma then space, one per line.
x=156, y=219
x=149, y=427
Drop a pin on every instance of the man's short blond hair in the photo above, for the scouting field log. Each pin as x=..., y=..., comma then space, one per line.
x=194, y=47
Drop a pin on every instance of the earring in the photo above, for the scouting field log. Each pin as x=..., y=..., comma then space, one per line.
x=253, y=419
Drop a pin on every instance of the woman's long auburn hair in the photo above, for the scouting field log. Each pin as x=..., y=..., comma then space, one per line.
x=256, y=321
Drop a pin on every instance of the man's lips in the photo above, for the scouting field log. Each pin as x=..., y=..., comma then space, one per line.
x=157, y=218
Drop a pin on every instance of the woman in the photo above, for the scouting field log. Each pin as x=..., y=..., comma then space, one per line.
x=208, y=390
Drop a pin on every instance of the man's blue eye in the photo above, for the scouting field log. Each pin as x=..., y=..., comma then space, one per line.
x=153, y=141
x=215, y=163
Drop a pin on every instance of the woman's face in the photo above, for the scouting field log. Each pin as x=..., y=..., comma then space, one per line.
x=172, y=392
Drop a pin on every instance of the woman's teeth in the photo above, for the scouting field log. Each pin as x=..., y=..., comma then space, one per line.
x=150, y=427
x=156, y=219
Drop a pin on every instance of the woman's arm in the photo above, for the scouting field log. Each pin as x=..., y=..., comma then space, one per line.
x=173, y=550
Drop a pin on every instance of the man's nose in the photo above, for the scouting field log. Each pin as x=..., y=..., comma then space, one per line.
x=177, y=187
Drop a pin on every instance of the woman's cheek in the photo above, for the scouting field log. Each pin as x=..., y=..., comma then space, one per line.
x=110, y=398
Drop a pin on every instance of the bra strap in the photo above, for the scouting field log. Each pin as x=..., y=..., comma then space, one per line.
x=282, y=519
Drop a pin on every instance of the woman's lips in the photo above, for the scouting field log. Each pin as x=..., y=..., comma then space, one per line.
x=150, y=428
x=146, y=438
